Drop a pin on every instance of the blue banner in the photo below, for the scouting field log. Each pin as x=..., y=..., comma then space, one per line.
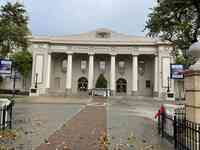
x=177, y=71
x=5, y=66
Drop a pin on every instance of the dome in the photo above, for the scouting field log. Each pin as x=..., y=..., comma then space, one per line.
x=194, y=49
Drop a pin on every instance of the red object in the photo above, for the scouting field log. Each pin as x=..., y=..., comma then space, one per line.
x=160, y=111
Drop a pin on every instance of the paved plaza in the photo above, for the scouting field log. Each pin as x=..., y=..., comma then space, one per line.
x=80, y=124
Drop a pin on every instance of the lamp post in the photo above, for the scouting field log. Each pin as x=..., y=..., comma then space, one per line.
x=36, y=80
x=14, y=83
x=168, y=84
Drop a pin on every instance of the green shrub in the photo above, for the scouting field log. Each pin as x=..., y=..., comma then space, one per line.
x=101, y=82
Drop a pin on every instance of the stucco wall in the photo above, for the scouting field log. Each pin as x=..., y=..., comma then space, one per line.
x=148, y=75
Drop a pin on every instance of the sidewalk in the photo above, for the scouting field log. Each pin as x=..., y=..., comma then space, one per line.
x=82, y=132
x=54, y=100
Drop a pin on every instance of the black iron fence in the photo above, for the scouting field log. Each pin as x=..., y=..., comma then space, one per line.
x=6, y=116
x=184, y=134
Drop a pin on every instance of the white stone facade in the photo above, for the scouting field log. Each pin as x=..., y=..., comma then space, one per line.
x=131, y=65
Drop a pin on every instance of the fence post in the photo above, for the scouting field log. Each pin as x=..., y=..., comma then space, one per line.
x=159, y=123
x=10, y=121
x=162, y=123
x=175, y=132
x=4, y=118
x=198, y=137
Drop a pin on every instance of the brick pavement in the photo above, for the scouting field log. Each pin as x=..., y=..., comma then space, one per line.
x=82, y=132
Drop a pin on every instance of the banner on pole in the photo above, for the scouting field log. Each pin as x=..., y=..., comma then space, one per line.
x=5, y=66
x=176, y=71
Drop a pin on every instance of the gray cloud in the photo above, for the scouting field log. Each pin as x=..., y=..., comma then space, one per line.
x=61, y=17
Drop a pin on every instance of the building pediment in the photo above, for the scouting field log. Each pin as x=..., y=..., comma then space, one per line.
x=100, y=36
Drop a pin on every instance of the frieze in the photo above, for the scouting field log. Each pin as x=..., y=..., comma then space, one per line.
x=80, y=48
x=97, y=49
x=124, y=50
x=148, y=50
x=42, y=46
x=59, y=47
x=102, y=49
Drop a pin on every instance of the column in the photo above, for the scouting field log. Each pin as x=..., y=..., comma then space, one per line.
x=48, y=75
x=156, y=77
x=112, y=75
x=135, y=75
x=91, y=72
x=69, y=74
x=33, y=72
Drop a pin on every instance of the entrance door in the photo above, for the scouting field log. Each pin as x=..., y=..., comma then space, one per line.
x=82, y=84
x=121, y=85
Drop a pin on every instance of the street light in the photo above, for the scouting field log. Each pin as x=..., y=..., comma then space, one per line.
x=36, y=80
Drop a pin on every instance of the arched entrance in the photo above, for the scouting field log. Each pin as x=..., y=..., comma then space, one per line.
x=82, y=84
x=121, y=85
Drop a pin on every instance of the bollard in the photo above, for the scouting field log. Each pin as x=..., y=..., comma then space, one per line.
x=175, y=133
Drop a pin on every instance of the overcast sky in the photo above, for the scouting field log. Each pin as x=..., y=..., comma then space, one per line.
x=61, y=17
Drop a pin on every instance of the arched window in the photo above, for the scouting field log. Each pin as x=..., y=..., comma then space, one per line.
x=121, y=85
x=82, y=84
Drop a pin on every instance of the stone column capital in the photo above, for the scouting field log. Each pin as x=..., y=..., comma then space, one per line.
x=69, y=53
x=91, y=53
x=155, y=54
x=113, y=54
x=135, y=52
x=135, y=55
x=49, y=52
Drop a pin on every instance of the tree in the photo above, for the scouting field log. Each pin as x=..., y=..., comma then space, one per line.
x=23, y=63
x=101, y=82
x=177, y=21
x=13, y=28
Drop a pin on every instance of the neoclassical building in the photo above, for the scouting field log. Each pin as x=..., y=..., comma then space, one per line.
x=131, y=65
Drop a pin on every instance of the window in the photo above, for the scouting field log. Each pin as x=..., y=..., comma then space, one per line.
x=102, y=34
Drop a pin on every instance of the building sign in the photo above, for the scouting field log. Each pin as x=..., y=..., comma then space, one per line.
x=5, y=66
x=176, y=71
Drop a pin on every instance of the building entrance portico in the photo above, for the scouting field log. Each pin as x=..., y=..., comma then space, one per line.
x=131, y=65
